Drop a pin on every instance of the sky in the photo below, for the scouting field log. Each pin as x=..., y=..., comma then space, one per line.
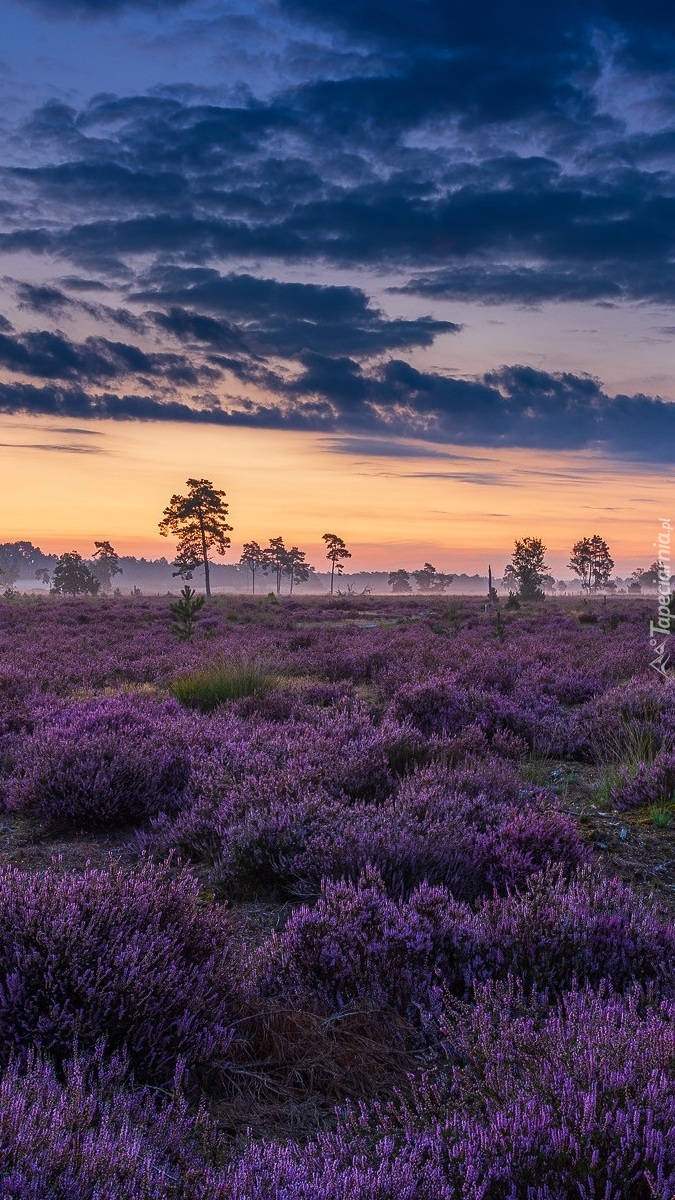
x=399, y=271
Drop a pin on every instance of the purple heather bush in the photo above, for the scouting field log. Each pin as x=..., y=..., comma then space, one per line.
x=445, y=831
x=17, y=706
x=436, y=705
x=649, y=785
x=358, y=948
x=559, y=932
x=634, y=720
x=577, y=1101
x=380, y=780
x=84, y=1135
x=251, y=774
x=442, y=706
x=468, y=830
x=112, y=760
x=341, y=749
x=399, y=1169
x=132, y=957
x=548, y=1103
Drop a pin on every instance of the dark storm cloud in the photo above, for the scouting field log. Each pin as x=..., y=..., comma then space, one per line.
x=284, y=319
x=528, y=286
x=506, y=234
x=48, y=355
x=520, y=29
x=469, y=151
x=327, y=169
x=40, y=298
x=515, y=407
x=74, y=401
x=75, y=283
x=49, y=301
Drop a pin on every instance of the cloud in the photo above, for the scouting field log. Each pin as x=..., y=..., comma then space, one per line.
x=49, y=301
x=273, y=317
x=49, y=355
x=102, y=8
x=60, y=449
x=477, y=141
x=480, y=478
x=389, y=448
x=73, y=431
x=464, y=154
x=514, y=407
x=40, y=298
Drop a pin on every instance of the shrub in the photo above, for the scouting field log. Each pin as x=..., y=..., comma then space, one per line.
x=438, y=705
x=109, y=761
x=557, y=933
x=462, y=844
x=132, y=957
x=358, y=948
x=82, y=1135
x=469, y=834
x=206, y=689
x=579, y=1101
x=184, y=612
x=628, y=723
x=649, y=785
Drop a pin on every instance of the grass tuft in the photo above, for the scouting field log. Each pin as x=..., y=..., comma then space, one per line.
x=210, y=687
x=661, y=817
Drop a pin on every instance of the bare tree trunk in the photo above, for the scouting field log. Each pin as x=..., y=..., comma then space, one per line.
x=332, y=576
x=207, y=569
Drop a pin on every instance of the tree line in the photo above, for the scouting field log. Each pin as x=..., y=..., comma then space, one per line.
x=527, y=575
x=199, y=522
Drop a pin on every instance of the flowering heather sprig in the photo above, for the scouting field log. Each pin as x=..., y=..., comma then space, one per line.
x=436, y=705
x=632, y=720
x=358, y=947
x=469, y=832
x=129, y=956
x=441, y=706
x=253, y=774
x=112, y=760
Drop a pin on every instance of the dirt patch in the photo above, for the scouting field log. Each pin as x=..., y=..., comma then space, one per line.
x=31, y=847
x=628, y=845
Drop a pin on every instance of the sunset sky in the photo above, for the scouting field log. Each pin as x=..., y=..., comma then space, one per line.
x=401, y=271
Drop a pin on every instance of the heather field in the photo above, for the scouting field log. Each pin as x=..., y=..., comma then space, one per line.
x=369, y=898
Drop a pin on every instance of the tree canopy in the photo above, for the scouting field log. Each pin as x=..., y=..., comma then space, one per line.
x=428, y=579
x=528, y=568
x=72, y=577
x=399, y=581
x=253, y=557
x=199, y=522
x=335, y=551
x=107, y=563
x=592, y=562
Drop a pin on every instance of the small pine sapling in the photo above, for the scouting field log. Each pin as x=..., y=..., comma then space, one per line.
x=185, y=610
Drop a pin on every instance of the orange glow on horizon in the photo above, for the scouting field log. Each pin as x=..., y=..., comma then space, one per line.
x=62, y=486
